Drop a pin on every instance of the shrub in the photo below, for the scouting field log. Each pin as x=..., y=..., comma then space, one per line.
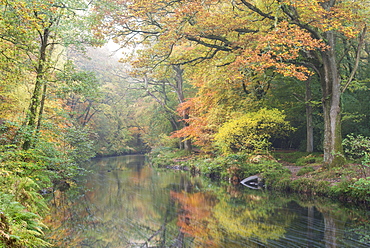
x=356, y=147
x=252, y=131
x=222, y=166
x=238, y=165
x=275, y=175
x=361, y=189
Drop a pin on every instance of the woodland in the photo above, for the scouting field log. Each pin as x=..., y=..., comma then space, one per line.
x=220, y=79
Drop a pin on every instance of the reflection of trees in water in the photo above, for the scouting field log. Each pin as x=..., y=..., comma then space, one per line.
x=194, y=215
x=121, y=209
x=140, y=207
x=345, y=227
x=217, y=221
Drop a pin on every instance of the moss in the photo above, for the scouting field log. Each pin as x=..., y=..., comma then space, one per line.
x=305, y=170
x=338, y=161
x=290, y=157
x=281, y=185
x=310, y=185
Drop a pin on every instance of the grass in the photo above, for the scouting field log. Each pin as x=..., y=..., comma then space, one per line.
x=298, y=158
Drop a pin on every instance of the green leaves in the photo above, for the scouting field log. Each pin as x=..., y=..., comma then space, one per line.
x=19, y=227
x=77, y=82
x=356, y=147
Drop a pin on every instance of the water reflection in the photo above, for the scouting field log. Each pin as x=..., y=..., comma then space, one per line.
x=126, y=204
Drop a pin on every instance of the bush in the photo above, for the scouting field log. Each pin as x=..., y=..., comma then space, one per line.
x=276, y=176
x=352, y=190
x=235, y=165
x=222, y=166
x=252, y=132
x=361, y=189
x=356, y=147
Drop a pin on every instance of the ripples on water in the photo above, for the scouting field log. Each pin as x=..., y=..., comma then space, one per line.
x=124, y=203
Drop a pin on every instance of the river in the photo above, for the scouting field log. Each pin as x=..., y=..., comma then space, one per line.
x=123, y=202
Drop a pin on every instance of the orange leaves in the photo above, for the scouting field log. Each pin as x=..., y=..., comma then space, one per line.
x=278, y=49
x=195, y=215
x=342, y=16
x=196, y=125
x=220, y=44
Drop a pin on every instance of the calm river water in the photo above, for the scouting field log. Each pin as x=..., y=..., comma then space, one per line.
x=125, y=203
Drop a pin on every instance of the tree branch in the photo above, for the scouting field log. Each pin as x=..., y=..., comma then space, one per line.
x=360, y=44
x=258, y=11
x=218, y=47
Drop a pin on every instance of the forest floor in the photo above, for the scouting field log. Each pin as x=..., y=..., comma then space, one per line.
x=335, y=175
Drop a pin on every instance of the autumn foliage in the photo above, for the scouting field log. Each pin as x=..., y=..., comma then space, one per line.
x=236, y=40
x=252, y=131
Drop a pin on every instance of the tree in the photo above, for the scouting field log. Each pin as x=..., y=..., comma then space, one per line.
x=38, y=30
x=292, y=38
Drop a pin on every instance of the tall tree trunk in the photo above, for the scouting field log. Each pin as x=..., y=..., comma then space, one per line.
x=180, y=94
x=35, y=99
x=331, y=93
x=309, y=111
x=41, y=111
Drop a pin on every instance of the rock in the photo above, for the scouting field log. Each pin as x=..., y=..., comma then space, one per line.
x=253, y=182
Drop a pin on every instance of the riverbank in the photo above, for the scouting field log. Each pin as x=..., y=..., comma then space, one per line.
x=288, y=171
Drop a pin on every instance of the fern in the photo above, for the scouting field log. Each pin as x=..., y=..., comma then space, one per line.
x=19, y=227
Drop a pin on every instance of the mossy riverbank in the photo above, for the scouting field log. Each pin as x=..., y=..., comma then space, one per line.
x=288, y=171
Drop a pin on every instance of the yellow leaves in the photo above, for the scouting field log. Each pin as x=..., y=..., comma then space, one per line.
x=32, y=15
x=252, y=131
x=342, y=16
x=253, y=43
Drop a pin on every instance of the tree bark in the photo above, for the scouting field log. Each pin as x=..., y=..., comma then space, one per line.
x=41, y=111
x=331, y=94
x=35, y=99
x=180, y=94
x=309, y=112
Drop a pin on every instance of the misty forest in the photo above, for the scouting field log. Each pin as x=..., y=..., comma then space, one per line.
x=221, y=90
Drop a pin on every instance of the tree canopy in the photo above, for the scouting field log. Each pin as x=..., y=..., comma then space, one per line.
x=245, y=44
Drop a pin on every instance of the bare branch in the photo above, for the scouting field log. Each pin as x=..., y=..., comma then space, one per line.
x=258, y=11
x=359, y=47
x=218, y=47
